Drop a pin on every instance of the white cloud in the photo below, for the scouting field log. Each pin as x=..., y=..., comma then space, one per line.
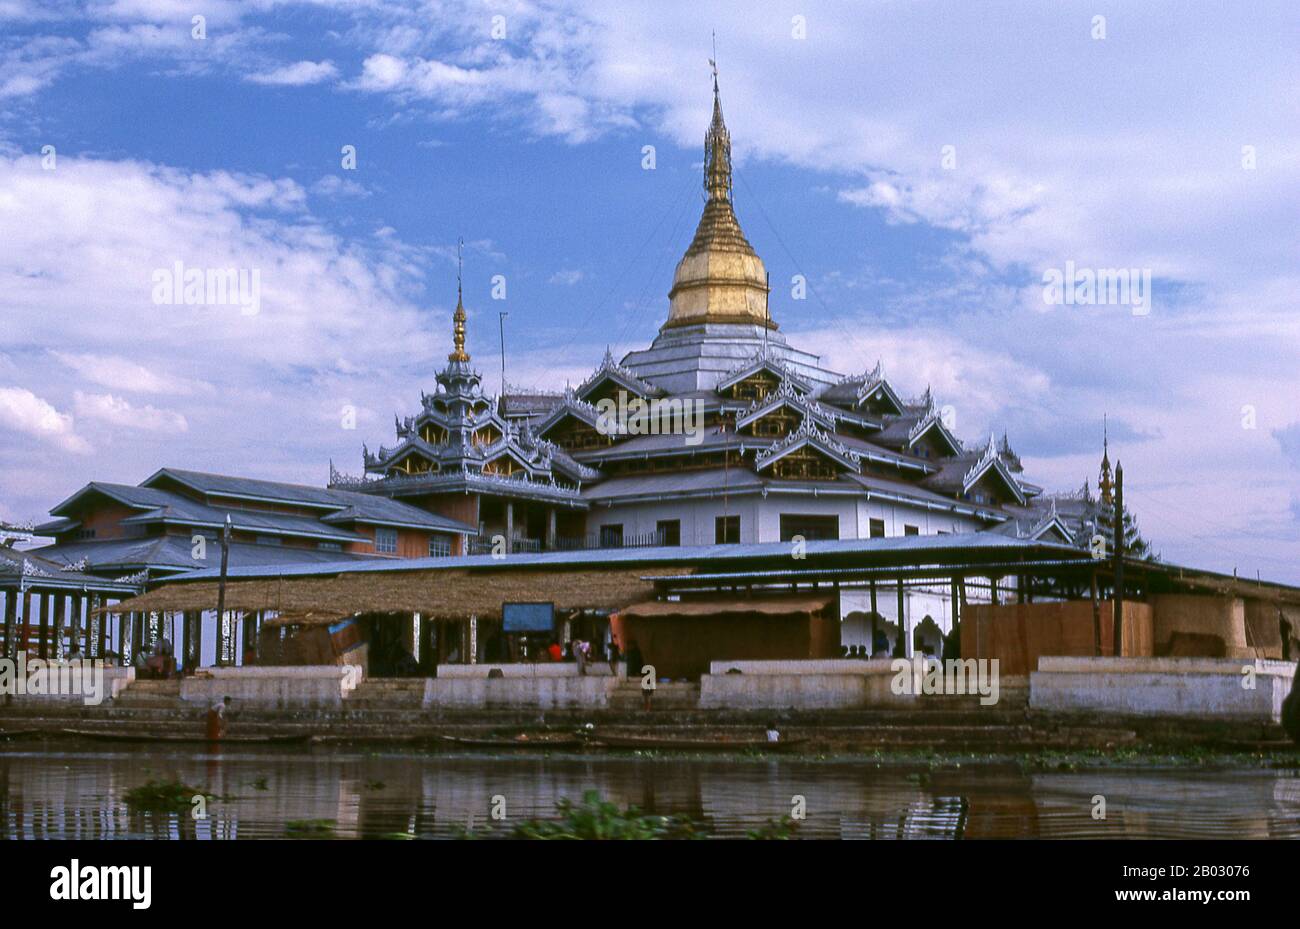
x=566, y=278
x=331, y=185
x=116, y=411
x=298, y=74
x=22, y=411
x=81, y=244
x=123, y=374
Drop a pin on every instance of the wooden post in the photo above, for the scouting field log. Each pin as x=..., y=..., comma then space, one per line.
x=1119, y=559
x=60, y=610
x=43, y=635
x=510, y=527
x=101, y=625
x=871, y=647
x=551, y=536
x=22, y=607
x=1096, y=618
x=221, y=587
x=956, y=612
x=900, y=648
x=11, y=604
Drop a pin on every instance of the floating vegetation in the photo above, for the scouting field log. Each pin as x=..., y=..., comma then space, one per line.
x=783, y=828
x=595, y=818
x=162, y=797
x=310, y=828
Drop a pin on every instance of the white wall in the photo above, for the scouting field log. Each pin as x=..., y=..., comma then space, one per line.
x=760, y=517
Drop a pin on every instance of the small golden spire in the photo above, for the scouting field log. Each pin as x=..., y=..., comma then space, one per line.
x=458, y=318
x=717, y=148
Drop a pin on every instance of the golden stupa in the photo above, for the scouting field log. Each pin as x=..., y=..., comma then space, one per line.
x=720, y=279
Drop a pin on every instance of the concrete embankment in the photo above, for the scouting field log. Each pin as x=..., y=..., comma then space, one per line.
x=829, y=706
x=953, y=729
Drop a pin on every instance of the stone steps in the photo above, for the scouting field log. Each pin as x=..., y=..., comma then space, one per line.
x=150, y=693
x=386, y=694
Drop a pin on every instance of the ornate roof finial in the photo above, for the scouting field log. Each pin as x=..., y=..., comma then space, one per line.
x=717, y=147
x=1105, y=483
x=458, y=318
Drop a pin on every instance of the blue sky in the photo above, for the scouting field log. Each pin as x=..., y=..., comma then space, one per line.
x=1122, y=151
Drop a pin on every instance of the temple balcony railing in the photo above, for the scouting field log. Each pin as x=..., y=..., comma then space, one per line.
x=484, y=545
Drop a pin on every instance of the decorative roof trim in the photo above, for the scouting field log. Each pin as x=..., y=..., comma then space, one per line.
x=758, y=361
x=786, y=394
x=928, y=422
x=990, y=458
x=609, y=368
x=808, y=433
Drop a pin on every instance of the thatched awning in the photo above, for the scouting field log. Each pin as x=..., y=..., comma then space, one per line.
x=444, y=594
x=764, y=606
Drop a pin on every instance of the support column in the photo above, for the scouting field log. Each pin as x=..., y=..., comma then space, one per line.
x=956, y=614
x=1096, y=619
x=43, y=634
x=123, y=651
x=20, y=623
x=11, y=605
x=193, y=643
x=100, y=625
x=871, y=647
x=510, y=527
x=76, y=638
x=60, y=612
x=903, y=647
x=551, y=535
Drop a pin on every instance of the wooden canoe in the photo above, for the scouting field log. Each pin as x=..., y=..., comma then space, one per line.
x=533, y=743
x=672, y=744
x=144, y=737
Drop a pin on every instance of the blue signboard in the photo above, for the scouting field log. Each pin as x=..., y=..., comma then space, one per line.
x=528, y=617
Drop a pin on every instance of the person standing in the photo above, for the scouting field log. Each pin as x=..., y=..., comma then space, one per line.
x=613, y=657
x=217, y=720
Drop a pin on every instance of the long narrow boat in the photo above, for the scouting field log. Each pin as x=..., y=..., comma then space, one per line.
x=531, y=742
x=668, y=743
x=145, y=737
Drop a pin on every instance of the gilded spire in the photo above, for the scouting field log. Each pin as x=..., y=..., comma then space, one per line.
x=717, y=148
x=720, y=279
x=458, y=318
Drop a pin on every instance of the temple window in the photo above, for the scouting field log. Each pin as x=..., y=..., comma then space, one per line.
x=804, y=465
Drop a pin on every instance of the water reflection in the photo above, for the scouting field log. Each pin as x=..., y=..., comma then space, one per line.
x=79, y=795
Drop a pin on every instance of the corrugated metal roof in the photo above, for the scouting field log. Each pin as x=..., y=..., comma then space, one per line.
x=175, y=553
x=974, y=541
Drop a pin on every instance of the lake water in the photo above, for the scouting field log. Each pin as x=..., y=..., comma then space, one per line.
x=78, y=794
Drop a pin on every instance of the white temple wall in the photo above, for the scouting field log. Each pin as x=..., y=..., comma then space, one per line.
x=697, y=517
x=760, y=518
